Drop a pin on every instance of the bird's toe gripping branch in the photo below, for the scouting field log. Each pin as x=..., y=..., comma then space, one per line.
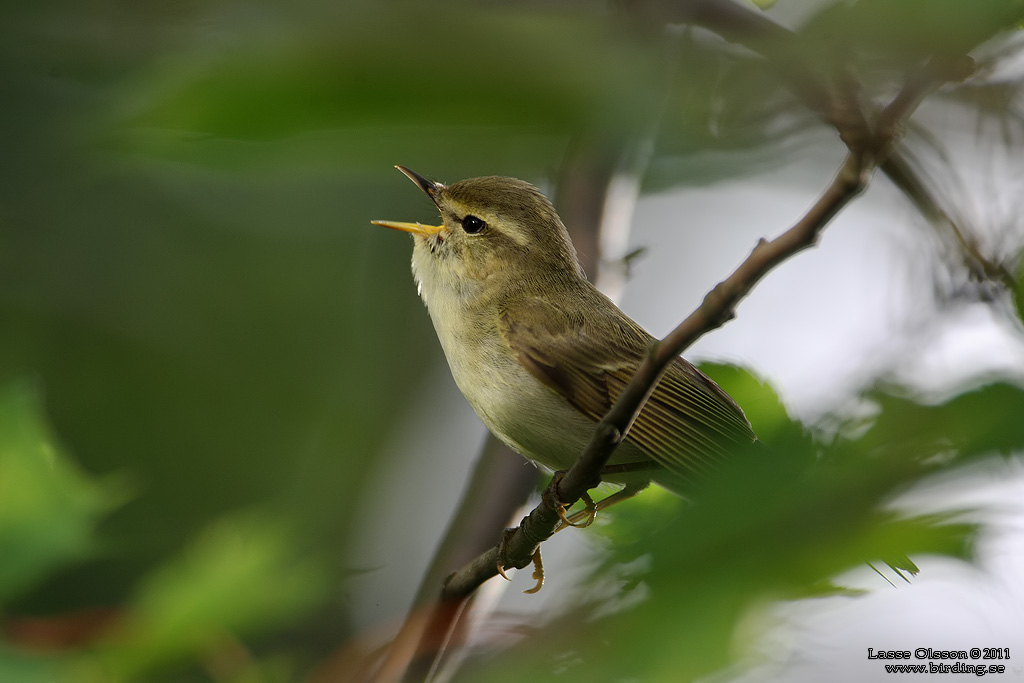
x=553, y=500
x=538, y=563
x=588, y=514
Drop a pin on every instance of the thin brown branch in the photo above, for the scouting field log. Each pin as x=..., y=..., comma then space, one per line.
x=778, y=44
x=980, y=267
x=902, y=174
x=498, y=486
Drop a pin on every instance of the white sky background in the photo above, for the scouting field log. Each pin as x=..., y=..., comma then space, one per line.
x=819, y=328
x=822, y=326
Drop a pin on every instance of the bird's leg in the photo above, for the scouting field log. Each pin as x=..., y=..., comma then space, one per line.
x=588, y=513
x=586, y=517
x=551, y=498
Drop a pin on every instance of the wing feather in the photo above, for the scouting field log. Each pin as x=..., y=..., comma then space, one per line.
x=689, y=424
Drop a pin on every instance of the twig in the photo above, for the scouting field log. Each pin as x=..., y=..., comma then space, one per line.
x=980, y=267
x=498, y=486
x=754, y=30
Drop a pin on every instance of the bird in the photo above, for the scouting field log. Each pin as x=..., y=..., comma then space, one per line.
x=541, y=354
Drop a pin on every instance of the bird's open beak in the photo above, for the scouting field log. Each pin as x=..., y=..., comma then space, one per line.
x=414, y=228
x=428, y=186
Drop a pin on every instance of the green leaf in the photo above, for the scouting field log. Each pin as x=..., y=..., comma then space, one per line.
x=759, y=401
x=48, y=507
x=243, y=576
x=781, y=525
x=374, y=72
x=980, y=422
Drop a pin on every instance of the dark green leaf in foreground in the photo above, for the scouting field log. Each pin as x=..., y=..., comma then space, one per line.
x=780, y=526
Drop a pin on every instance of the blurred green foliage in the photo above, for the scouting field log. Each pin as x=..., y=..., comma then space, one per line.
x=781, y=525
x=1018, y=294
x=204, y=346
x=239, y=578
x=47, y=507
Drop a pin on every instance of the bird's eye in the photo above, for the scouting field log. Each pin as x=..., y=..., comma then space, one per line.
x=473, y=225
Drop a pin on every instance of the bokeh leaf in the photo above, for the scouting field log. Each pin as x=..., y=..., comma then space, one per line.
x=48, y=507
x=242, y=577
x=782, y=525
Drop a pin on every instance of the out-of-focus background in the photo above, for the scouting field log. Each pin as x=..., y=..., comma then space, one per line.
x=229, y=443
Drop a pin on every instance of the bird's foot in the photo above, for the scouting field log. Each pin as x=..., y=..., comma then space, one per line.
x=588, y=514
x=538, y=563
x=538, y=572
x=581, y=519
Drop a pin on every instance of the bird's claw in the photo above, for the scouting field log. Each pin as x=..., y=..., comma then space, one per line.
x=538, y=572
x=589, y=513
x=538, y=563
x=506, y=535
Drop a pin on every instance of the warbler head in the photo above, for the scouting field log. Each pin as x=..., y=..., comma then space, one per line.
x=494, y=231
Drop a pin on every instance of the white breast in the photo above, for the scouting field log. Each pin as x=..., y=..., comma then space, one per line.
x=528, y=416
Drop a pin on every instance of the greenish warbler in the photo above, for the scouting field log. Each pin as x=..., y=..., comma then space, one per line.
x=540, y=353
